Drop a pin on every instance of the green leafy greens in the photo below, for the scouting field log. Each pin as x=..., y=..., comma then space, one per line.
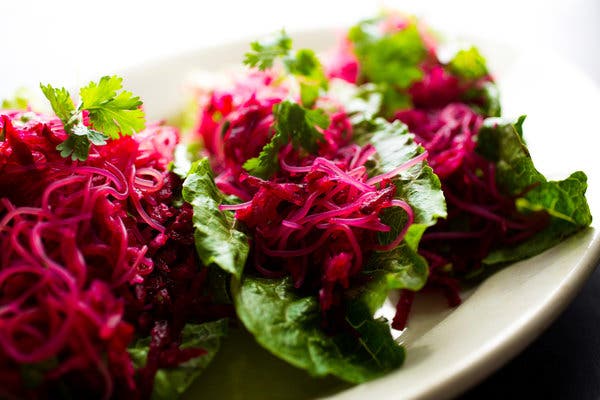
x=303, y=64
x=389, y=60
x=111, y=110
x=501, y=141
x=402, y=267
x=288, y=325
x=170, y=383
x=217, y=240
x=292, y=123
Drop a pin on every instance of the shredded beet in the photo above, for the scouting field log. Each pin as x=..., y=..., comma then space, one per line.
x=320, y=228
x=92, y=254
x=317, y=218
x=480, y=216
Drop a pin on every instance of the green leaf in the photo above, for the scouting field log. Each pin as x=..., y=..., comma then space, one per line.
x=519, y=125
x=484, y=98
x=292, y=123
x=217, y=239
x=468, y=64
x=111, y=111
x=288, y=325
x=308, y=94
x=265, y=52
x=390, y=58
x=303, y=64
x=60, y=101
x=400, y=268
x=308, y=69
x=171, y=383
x=565, y=202
x=417, y=185
x=77, y=147
x=95, y=137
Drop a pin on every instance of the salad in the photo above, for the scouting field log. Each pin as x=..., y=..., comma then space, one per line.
x=306, y=190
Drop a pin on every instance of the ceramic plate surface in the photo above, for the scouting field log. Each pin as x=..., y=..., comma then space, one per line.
x=448, y=350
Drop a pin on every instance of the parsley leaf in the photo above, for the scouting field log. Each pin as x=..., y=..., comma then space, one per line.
x=264, y=53
x=292, y=123
x=60, y=101
x=303, y=64
x=110, y=112
x=78, y=147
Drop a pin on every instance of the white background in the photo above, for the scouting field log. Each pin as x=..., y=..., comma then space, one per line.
x=62, y=42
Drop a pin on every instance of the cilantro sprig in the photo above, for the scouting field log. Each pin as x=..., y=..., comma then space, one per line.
x=111, y=111
x=302, y=64
x=295, y=124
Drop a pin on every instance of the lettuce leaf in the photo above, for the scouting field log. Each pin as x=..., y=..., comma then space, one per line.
x=418, y=185
x=288, y=325
x=402, y=267
x=171, y=383
x=217, y=239
x=501, y=142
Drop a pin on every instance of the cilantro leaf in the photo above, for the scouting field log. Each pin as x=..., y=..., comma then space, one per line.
x=389, y=58
x=308, y=69
x=265, y=52
x=401, y=267
x=60, y=101
x=292, y=123
x=484, y=99
x=303, y=64
x=109, y=111
x=468, y=64
x=75, y=146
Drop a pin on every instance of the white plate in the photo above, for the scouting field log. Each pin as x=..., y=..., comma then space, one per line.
x=448, y=350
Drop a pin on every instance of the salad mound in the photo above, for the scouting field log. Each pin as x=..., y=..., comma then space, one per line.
x=315, y=209
x=445, y=103
x=340, y=175
x=95, y=254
